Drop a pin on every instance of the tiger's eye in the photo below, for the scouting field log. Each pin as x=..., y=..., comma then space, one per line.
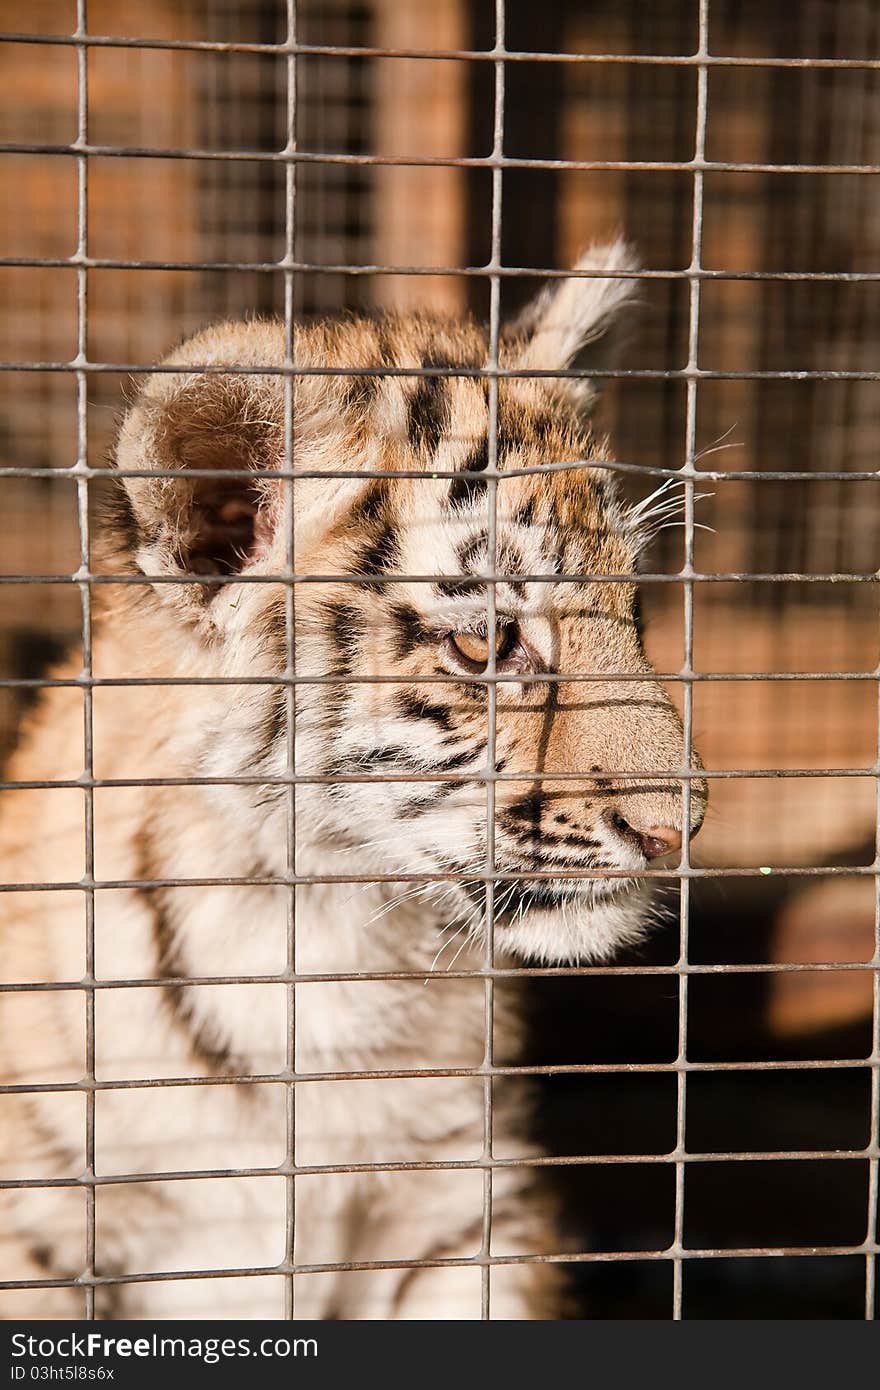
x=473, y=647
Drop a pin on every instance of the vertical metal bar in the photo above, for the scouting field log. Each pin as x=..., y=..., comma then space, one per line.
x=491, y=628
x=874, y=1133
x=688, y=474
x=290, y=647
x=85, y=595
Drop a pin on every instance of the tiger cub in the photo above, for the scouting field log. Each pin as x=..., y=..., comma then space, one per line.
x=375, y=860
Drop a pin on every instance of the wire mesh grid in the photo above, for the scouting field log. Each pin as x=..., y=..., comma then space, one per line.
x=686, y=580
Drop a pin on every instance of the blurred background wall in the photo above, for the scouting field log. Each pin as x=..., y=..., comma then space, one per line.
x=162, y=213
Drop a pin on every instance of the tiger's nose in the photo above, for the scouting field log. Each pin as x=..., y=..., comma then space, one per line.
x=654, y=841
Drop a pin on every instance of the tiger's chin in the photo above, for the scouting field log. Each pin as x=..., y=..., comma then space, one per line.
x=561, y=927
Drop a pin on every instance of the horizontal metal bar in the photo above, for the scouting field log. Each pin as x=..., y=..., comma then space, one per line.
x=80, y=149
x=265, y=880
x=471, y=373
x=429, y=778
x=545, y=678
x=75, y=473
x=300, y=1170
x=424, y=1073
x=866, y=1247
x=77, y=261
x=475, y=581
x=78, y=471
x=299, y=977
x=469, y=55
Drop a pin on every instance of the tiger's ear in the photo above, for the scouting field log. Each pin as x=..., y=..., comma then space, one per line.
x=181, y=522
x=199, y=439
x=576, y=322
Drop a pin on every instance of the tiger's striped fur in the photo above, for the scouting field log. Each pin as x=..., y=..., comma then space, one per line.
x=354, y=414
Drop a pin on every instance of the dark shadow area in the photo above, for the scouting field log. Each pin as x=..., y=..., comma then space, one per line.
x=730, y=1203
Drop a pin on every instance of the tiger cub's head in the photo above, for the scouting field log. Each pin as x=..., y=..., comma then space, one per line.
x=410, y=763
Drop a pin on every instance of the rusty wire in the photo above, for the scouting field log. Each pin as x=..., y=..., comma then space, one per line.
x=681, y=1066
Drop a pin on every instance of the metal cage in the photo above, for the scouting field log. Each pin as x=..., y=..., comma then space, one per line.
x=275, y=140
